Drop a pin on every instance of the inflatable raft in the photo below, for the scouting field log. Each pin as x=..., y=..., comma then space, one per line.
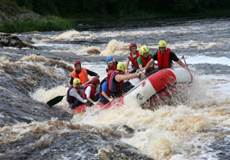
x=153, y=85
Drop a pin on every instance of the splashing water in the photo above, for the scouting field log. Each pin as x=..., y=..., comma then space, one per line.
x=115, y=47
x=193, y=128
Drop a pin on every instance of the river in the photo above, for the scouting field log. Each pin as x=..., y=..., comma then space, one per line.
x=195, y=128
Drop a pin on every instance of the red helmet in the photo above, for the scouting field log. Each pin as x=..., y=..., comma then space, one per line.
x=95, y=81
x=77, y=62
x=132, y=45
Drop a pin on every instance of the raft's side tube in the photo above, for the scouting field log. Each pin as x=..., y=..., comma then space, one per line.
x=154, y=84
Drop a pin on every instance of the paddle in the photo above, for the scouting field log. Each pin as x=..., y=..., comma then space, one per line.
x=184, y=60
x=58, y=99
x=54, y=101
x=187, y=68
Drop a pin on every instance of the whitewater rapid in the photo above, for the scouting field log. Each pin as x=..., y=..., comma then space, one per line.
x=195, y=128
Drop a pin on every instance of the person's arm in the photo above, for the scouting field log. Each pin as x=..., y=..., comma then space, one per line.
x=103, y=91
x=74, y=93
x=127, y=65
x=181, y=64
x=124, y=77
x=177, y=60
x=139, y=61
x=71, y=81
x=91, y=73
x=87, y=93
x=149, y=64
x=154, y=56
x=106, y=96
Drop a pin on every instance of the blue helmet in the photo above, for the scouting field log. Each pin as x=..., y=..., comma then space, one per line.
x=109, y=59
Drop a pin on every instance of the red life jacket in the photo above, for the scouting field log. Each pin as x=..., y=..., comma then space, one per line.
x=83, y=75
x=108, y=79
x=163, y=59
x=114, y=86
x=145, y=60
x=134, y=59
x=93, y=90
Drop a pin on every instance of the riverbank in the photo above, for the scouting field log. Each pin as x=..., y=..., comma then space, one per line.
x=50, y=23
x=19, y=19
x=54, y=23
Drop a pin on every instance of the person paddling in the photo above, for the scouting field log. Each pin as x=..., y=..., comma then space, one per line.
x=165, y=56
x=145, y=60
x=90, y=90
x=75, y=94
x=116, y=80
x=133, y=55
x=81, y=73
x=111, y=63
x=104, y=93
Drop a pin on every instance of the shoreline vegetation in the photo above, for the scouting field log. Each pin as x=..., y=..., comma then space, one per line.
x=46, y=15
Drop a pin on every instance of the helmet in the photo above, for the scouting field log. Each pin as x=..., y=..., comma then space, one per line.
x=76, y=82
x=121, y=66
x=109, y=59
x=144, y=49
x=132, y=45
x=162, y=44
x=77, y=62
x=95, y=81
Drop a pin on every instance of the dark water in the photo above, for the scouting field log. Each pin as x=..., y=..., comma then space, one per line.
x=29, y=78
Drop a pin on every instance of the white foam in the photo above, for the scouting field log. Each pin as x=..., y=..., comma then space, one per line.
x=216, y=86
x=72, y=35
x=115, y=47
x=195, y=44
x=202, y=59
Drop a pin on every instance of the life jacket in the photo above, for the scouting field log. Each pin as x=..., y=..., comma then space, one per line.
x=163, y=59
x=93, y=90
x=72, y=99
x=145, y=60
x=109, y=74
x=83, y=75
x=114, y=87
x=134, y=60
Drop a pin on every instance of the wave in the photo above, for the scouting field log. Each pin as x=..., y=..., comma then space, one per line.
x=115, y=47
x=202, y=59
x=72, y=35
x=162, y=133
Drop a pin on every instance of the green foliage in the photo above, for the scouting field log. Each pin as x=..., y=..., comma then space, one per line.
x=119, y=8
x=43, y=24
x=96, y=10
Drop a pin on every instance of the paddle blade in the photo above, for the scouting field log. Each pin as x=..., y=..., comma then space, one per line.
x=55, y=100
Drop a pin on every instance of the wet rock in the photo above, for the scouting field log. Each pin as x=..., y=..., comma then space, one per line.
x=82, y=143
x=18, y=80
x=124, y=130
x=8, y=40
x=93, y=50
x=17, y=107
